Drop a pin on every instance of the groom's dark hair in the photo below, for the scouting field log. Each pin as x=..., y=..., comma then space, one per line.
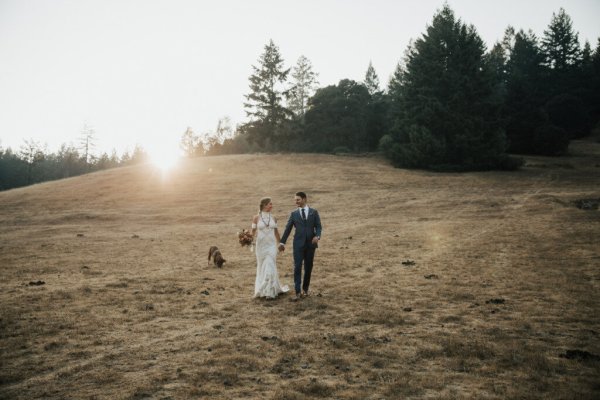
x=301, y=194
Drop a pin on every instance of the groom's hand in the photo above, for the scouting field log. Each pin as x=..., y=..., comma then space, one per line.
x=315, y=240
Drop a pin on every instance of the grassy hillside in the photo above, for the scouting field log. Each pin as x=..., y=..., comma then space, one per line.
x=504, y=282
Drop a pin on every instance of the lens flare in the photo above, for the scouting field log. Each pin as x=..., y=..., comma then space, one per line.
x=164, y=157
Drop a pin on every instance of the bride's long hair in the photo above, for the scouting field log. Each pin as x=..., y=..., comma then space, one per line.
x=263, y=202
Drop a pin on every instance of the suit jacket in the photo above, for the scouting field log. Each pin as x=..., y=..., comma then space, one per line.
x=305, y=230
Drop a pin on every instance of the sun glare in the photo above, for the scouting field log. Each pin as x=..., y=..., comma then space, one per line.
x=164, y=158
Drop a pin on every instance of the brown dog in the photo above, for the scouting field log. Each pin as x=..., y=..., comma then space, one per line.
x=216, y=255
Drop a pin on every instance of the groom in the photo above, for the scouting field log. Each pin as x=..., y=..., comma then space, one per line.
x=307, y=222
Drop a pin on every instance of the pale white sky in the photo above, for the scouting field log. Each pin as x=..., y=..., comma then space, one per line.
x=142, y=71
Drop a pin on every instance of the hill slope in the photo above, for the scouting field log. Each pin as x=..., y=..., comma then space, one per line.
x=505, y=279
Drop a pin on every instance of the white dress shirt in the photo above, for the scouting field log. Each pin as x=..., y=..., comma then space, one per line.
x=305, y=211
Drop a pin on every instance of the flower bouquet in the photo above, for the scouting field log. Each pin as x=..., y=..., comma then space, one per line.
x=245, y=237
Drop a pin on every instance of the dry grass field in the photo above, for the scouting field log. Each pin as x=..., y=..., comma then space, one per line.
x=426, y=285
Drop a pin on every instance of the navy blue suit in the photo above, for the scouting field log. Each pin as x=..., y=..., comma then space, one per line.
x=304, y=249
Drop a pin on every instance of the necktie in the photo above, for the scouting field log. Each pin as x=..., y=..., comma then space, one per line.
x=303, y=214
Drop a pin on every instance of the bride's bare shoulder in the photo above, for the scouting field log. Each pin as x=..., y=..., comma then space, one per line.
x=255, y=219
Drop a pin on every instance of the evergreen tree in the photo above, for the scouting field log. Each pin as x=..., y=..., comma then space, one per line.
x=396, y=82
x=13, y=170
x=105, y=161
x=593, y=100
x=564, y=89
x=31, y=152
x=139, y=155
x=560, y=43
x=588, y=86
x=377, y=118
x=372, y=80
x=586, y=54
x=450, y=112
x=523, y=109
x=264, y=103
x=497, y=61
x=395, y=107
x=70, y=162
x=508, y=40
x=34, y=164
x=303, y=86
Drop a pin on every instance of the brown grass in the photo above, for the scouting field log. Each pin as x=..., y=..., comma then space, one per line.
x=505, y=280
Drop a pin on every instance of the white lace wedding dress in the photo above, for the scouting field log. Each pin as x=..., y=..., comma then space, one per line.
x=267, y=279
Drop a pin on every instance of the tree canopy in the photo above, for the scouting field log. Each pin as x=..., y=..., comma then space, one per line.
x=446, y=110
x=264, y=104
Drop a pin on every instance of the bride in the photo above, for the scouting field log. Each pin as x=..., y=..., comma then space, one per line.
x=266, y=237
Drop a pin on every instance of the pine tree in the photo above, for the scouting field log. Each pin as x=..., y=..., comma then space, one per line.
x=588, y=84
x=396, y=81
x=396, y=93
x=594, y=85
x=523, y=110
x=586, y=54
x=565, y=106
x=497, y=60
x=560, y=43
x=395, y=96
x=13, y=170
x=371, y=81
x=377, y=110
x=264, y=103
x=303, y=87
x=449, y=115
x=596, y=54
x=31, y=152
x=508, y=40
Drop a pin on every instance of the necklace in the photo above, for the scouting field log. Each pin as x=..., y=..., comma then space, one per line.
x=268, y=222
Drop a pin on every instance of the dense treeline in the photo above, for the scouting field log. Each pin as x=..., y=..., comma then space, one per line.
x=33, y=165
x=450, y=105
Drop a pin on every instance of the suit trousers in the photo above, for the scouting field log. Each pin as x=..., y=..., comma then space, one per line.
x=304, y=254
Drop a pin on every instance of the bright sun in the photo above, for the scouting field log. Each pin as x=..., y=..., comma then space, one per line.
x=164, y=157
